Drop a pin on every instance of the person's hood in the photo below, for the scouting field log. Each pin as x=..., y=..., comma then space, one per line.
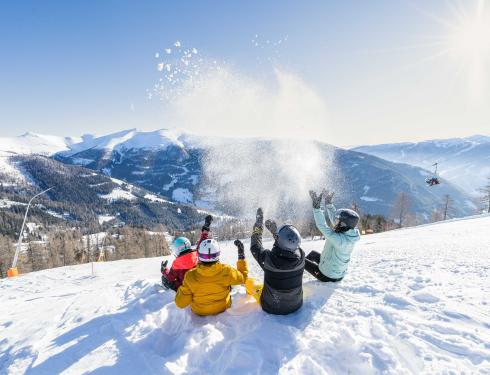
x=296, y=254
x=353, y=234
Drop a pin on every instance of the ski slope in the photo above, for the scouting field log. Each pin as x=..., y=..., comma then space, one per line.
x=415, y=301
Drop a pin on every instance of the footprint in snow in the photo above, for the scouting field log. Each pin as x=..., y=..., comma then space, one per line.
x=425, y=298
x=396, y=302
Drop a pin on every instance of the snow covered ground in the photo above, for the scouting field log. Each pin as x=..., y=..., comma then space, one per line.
x=415, y=301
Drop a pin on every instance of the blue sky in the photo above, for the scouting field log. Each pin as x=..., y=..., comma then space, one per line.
x=74, y=67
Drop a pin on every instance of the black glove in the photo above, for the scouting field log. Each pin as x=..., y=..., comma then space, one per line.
x=316, y=200
x=241, y=249
x=207, y=223
x=328, y=196
x=272, y=227
x=164, y=265
x=259, y=218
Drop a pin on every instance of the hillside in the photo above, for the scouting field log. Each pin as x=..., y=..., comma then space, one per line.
x=415, y=301
x=236, y=175
x=80, y=197
x=463, y=161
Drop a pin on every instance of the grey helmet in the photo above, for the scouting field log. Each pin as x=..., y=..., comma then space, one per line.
x=348, y=218
x=288, y=238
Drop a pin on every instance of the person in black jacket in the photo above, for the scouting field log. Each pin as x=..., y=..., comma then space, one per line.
x=282, y=291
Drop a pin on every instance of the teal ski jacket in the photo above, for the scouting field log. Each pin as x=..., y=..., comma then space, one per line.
x=338, y=247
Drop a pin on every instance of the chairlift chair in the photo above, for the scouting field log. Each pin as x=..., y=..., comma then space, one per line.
x=434, y=180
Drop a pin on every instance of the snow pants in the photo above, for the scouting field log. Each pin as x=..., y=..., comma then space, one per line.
x=167, y=284
x=312, y=261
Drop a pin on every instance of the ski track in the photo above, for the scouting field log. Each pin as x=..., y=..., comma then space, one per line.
x=415, y=301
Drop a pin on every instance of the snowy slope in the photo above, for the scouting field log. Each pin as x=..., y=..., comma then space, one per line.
x=415, y=301
x=130, y=139
x=463, y=161
x=32, y=143
x=27, y=144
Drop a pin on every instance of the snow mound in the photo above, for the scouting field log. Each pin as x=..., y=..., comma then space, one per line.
x=415, y=301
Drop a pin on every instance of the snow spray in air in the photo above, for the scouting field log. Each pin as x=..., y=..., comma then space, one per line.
x=276, y=159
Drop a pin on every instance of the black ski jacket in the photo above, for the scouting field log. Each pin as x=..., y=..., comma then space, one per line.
x=283, y=276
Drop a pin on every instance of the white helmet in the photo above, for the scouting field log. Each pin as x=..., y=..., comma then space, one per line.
x=208, y=251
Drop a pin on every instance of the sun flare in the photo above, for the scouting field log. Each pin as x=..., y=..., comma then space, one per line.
x=470, y=39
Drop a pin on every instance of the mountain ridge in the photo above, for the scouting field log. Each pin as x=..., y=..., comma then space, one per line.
x=462, y=161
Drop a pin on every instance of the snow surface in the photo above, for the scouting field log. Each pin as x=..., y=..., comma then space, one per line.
x=415, y=301
x=5, y=203
x=182, y=195
x=32, y=143
x=118, y=194
x=105, y=218
x=131, y=139
x=154, y=198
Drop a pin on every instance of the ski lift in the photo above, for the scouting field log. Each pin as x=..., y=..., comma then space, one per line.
x=434, y=180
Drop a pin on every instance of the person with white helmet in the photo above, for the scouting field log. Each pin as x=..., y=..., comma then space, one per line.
x=185, y=258
x=206, y=288
x=283, y=265
x=331, y=265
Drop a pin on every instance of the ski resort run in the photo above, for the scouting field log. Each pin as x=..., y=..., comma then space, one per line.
x=415, y=301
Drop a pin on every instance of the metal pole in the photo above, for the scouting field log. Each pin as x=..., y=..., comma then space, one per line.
x=19, y=242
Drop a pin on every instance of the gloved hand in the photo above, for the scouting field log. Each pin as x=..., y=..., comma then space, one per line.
x=241, y=249
x=328, y=195
x=316, y=200
x=272, y=227
x=207, y=223
x=259, y=218
x=163, y=265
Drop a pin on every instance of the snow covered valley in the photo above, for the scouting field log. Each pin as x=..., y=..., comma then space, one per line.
x=415, y=301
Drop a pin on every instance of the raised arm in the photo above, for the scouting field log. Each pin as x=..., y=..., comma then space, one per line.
x=336, y=238
x=205, y=230
x=328, y=197
x=256, y=247
x=239, y=275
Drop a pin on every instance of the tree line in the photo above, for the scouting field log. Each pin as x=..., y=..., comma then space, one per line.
x=59, y=248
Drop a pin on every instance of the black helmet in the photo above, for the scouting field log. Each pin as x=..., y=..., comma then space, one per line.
x=288, y=238
x=348, y=218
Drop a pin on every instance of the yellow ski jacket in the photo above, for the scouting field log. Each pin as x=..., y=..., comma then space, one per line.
x=207, y=287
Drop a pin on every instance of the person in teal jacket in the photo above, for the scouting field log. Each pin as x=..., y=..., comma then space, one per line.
x=331, y=265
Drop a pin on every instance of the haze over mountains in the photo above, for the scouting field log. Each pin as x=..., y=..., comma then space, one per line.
x=233, y=175
x=462, y=161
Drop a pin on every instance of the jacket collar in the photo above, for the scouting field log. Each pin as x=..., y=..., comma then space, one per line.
x=209, y=270
x=276, y=250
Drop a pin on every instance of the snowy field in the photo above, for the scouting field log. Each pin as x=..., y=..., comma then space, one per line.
x=415, y=301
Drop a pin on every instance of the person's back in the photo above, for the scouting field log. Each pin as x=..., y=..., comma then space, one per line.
x=332, y=263
x=206, y=288
x=183, y=263
x=283, y=281
x=282, y=291
x=209, y=286
x=337, y=250
x=185, y=258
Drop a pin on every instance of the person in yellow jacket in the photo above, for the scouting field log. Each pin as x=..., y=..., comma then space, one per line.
x=207, y=287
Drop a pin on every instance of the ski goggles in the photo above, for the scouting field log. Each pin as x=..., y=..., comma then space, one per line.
x=209, y=256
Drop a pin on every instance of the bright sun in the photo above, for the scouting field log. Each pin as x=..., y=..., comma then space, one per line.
x=471, y=38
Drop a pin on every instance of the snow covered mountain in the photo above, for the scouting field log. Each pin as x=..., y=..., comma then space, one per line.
x=176, y=165
x=32, y=143
x=463, y=161
x=414, y=301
